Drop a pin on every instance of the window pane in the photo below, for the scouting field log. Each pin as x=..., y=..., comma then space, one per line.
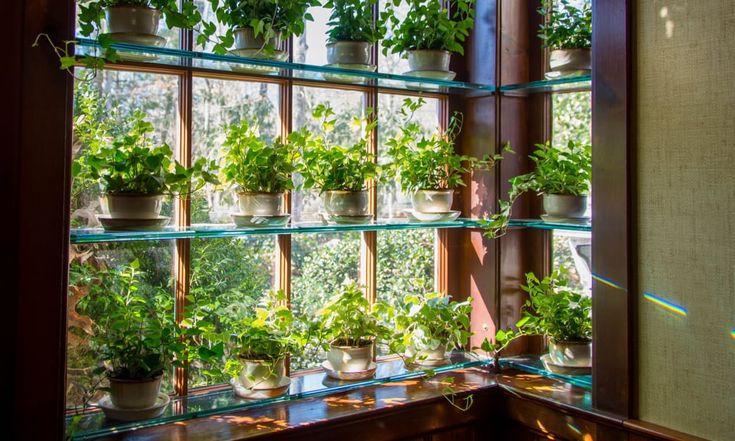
x=96, y=276
x=572, y=117
x=321, y=263
x=219, y=103
x=405, y=263
x=102, y=108
x=311, y=46
x=228, y=276
x=307, y=205
x=573, y=252
x=391, y=201
x=393, y=63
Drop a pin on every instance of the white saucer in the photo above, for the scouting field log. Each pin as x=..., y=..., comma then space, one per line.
x=564, y=370
x=115, y=413
x=565, y=220
x=260, y=393
x=134, y=38
x=346, y=78
x=418, y=216
x=557, y=74
x=115, y=224
x=247, y=220
x=446, y=75
x=350, y=376
x=340, y=219
x=257, y=54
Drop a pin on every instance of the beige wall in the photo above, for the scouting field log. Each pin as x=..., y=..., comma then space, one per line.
x=685, y=85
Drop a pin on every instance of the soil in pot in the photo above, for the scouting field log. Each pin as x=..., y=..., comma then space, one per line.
x=132, y=20
x=350, y=358
x=134, y=394
x=432, y=201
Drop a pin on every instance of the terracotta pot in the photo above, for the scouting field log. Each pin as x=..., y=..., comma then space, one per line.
x=134, y=394
x=132, y=20
x=432, y=201
x=245, y=39
x=565, y=206
x=570, y=353
x=350, y=358
x=348, y=52
x=426, y=59
x=260, y=204
x=262, y=374
x=346, y=203
x=129, y=206
x=570, y=60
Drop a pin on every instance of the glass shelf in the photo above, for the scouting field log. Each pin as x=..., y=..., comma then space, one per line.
x=558, y=85
x=232, y=64
x=532, y=364
x=98, y=235
x=94, y=424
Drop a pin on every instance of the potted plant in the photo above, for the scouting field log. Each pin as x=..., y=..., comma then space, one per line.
x=340, y=173
x=430, y=325
x=255, y=28
x=261, y=346
x=347, y=328
x=562, y=175
x=567, y=32
x=427, y=167
x=136, y=21
x=429, y=34
x=260, y=170
x=138, y=341
x=135, y=175
x=351, y=33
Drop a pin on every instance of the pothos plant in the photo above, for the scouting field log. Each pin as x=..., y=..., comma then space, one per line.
x=253, y=164
x=565, y=170
x=566, y=26
x=327, y=166
x=352, y=20
x=429, y=24
x=269, y=19
x=92, y=12
x=267, y=336
x=131, y=164
x=348, y=320
x=421, y=162
x=553, y=310
x=430, y=321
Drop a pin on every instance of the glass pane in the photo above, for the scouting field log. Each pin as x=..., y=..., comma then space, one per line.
x=405, y=263
x=572, y=117
x=228, y=276
x=311, y=46
x=391, y=201
x=320, y=264
x=219, y=103
x=102, y=110
x=97, y=275
x=573, y=251
x=393, y=63
x=307, y=205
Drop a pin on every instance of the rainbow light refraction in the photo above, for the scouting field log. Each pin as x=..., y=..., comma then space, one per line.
x=607, y=282
x=673, y=307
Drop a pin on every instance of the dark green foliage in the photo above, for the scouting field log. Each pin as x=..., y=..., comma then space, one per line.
x=567, y=26
x=429, y=25
x=352, y=20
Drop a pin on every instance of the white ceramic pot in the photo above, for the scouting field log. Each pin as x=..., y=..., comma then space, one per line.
x=134, y=394
x=262, y=374
x=570, y=353
x=427, y=356
x=570, y=60
x=350, y=358
x=245, y=39
x=348, y=52
x=432, y=201
x=565, y=206
x=128, y=206
x=260, y=204
x=132, y=20
x=346, y=203
x=425, y=59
